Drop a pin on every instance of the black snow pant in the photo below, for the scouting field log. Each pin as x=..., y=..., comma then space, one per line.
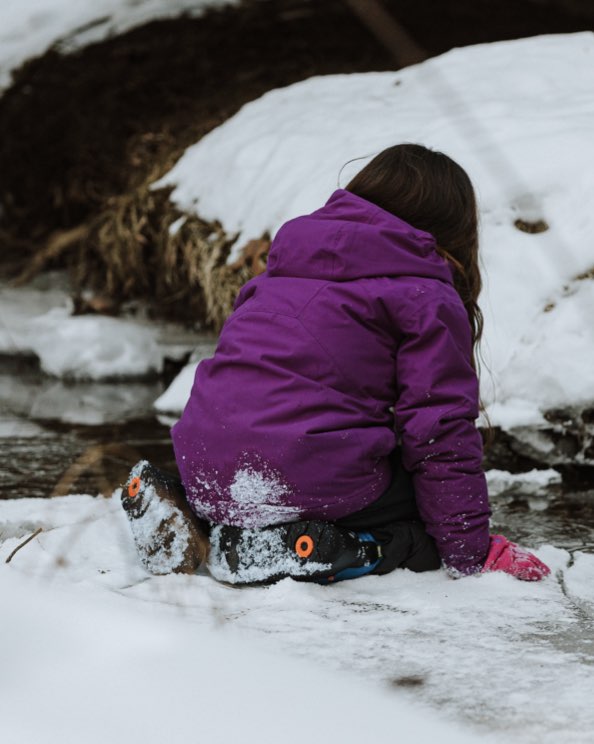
x=393, y=519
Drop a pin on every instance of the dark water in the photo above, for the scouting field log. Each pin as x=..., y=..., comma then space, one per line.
x=61, y=459
x=58, y=437
x=566, y=520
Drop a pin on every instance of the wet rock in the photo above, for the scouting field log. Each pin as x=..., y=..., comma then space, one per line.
x=565, y=443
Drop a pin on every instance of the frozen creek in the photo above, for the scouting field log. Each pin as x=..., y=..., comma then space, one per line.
x=492, y=654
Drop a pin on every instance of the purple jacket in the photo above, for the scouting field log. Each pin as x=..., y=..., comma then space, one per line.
x=354, y=331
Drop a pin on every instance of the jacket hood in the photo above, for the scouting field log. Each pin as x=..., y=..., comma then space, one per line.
x=351, y=238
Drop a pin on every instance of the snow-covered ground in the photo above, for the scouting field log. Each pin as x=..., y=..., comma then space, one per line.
x=113, y=653
x=29, y=28
x=518, y=116
x=97, y=670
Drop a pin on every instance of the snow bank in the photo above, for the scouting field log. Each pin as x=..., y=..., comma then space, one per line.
x=177, y=394
x=81, y=664
x=28, y=28
x=518, y=116
x=37, y=320
x=94, y=347
x=532, y=483
x=175, y=397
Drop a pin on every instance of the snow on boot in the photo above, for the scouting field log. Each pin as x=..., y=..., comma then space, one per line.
x=168, y=536
x=307, y=551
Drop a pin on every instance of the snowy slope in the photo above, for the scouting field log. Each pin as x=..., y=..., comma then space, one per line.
x=106, y=652
x=28, y=28
x=519, y=116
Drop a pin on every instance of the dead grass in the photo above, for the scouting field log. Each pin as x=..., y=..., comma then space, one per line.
x=83, y=135
x=129, y=251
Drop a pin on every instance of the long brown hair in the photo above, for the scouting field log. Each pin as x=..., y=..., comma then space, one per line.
x=433, y=193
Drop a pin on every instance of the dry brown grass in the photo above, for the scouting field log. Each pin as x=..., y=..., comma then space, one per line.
x=74, y=180
x=130, y=251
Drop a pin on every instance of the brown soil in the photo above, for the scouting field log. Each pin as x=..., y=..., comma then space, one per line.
x=82, y=135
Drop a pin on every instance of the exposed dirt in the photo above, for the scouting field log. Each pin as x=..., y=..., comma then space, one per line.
x=81, y=135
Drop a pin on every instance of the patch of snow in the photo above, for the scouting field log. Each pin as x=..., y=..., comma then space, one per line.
x=252, y=487
x=540, y=444
x=94, y=347
x=532, y=483
x=579, y=581
x=524, y=138
x=37, y=319
x=174, y=399
x=28, y=28
x=257, y=497
x=17, y=516
x=515, y=412
x=176, y=226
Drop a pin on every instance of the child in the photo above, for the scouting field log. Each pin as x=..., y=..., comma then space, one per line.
x=333, y=432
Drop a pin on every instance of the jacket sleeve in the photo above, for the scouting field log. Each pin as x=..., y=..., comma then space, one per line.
x=435, y=413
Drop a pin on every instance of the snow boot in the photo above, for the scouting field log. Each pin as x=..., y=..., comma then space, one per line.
x=168, y=536
x=305, y=551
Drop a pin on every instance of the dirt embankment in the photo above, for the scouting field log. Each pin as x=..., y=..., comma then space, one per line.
x=83, y=135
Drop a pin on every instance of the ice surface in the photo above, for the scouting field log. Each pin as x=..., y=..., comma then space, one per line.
x=107, y=652
x=518, y=115
x=28, y=28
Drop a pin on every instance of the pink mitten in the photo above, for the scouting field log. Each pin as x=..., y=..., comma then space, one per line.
x=506, y=556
